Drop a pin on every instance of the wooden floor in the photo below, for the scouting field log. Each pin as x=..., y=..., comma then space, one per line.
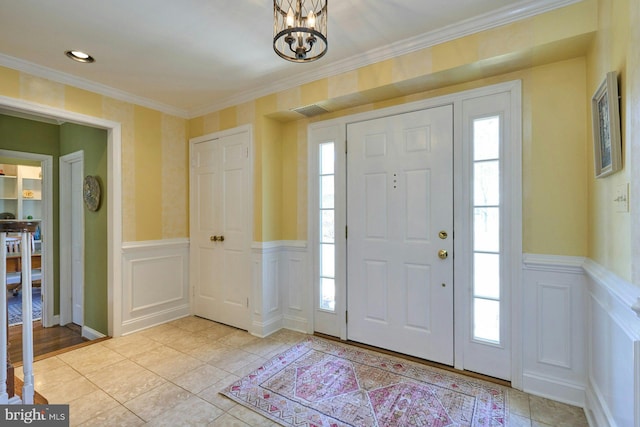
x=45, y=340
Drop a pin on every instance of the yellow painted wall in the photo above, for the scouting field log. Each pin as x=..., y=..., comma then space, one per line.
x=554, y=154
x=555, y=159
x=610, y=231
x=633, y=134
x=148, y=155
x=154, y=145
x=554, y=132
x=290, y=169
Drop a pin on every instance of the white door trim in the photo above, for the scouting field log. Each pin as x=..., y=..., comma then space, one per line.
x=46, y=226
x=113, y=195
x=66, y=226
x=338, y=125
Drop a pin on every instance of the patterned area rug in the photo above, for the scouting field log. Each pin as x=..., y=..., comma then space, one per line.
x=14, y=306
x=325, y=383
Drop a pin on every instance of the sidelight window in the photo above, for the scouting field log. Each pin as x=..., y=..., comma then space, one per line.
x=486, y=229
x=326, y=221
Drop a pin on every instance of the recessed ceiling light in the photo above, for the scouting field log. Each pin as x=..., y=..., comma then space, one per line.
x=79, y=56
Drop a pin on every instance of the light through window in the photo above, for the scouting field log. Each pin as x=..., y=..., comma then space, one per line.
x=327, y=300
x=486, y=229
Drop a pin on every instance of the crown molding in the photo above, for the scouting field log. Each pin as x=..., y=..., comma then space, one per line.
x=71, y=80
x=502, y=16
x=505, y=15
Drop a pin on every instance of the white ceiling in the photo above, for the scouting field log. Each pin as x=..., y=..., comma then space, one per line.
x=191, y=56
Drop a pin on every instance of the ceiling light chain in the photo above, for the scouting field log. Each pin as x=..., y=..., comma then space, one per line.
x=300, y=29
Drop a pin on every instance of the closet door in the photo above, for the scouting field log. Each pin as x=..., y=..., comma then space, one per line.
x=219, y=229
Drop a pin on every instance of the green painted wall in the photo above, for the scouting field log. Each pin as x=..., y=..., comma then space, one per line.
x=93, y=142
x=30, y=136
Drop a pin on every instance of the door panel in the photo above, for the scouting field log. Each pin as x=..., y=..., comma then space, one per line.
x=400, y=195
x=376, y=275
x=416, y=276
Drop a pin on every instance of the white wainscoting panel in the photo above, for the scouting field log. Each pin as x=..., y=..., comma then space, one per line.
x=613, y=392
x=155, y=283
x=267, y=311
x=280, y=288
x=297, y=296
x=554, y=347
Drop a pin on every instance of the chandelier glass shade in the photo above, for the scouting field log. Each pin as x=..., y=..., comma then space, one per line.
x=300, y=29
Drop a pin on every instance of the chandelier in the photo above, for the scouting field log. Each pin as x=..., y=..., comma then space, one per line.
x=300, y=29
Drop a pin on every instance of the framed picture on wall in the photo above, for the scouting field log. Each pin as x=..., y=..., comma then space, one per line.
x=606, y=127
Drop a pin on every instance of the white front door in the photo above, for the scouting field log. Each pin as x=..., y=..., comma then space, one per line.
x=400, y=233
x=220, y=229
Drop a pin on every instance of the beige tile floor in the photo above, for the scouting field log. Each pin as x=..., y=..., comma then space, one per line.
x=170, y=375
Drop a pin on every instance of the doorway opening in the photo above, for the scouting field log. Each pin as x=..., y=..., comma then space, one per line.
x=112, y=210
x=25, y=193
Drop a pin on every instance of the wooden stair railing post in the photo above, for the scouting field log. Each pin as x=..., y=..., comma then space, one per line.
x=4, y=331
x=27, y=321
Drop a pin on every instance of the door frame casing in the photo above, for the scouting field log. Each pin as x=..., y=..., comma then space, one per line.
x=113, y=196
x=248, y=129
x=66, y=227
x=338, y=127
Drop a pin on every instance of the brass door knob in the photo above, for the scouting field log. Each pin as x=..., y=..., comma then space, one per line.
x=221, y=238
x=213, y=238
x=443, y=254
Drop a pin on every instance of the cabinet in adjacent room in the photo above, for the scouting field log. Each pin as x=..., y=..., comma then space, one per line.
x=21, y=191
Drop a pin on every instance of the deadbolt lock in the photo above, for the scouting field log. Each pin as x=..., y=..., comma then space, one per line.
x=443, y=254
x=443, y=235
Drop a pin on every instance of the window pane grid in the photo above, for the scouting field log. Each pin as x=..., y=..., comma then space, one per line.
x=486, y=210
x=326, y=222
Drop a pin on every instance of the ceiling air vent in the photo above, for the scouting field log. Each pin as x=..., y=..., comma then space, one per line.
x=310, y=110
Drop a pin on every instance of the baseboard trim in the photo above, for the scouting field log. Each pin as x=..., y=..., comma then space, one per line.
x=53, y=321
x=296, y=323
x=264, y=329
x=91, y=334
x=597, y=413
x=552, y=388
x=155, y=319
